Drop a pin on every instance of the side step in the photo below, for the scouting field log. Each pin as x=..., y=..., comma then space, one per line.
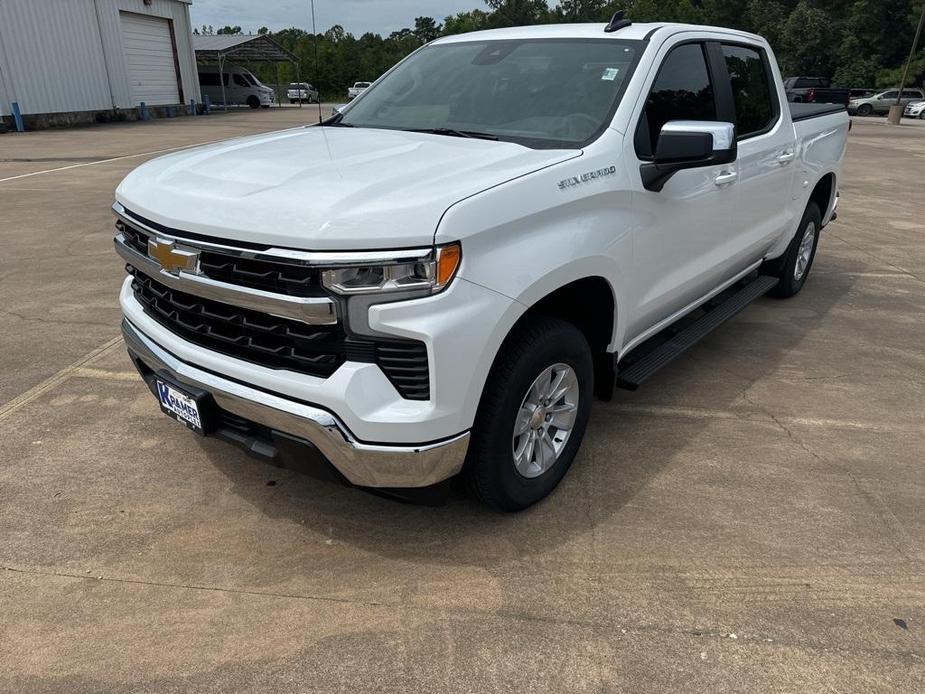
x=638, y=371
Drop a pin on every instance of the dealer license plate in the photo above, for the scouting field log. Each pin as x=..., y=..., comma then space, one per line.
x=180, y=405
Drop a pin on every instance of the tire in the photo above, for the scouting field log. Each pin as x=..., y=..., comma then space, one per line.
x=865, y=110
x=538, y=346
x=798, y=260
x=253, y=102
x=292, y=101
x=922, y=115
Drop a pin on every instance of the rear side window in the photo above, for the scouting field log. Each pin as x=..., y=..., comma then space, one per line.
x=751, y=90
x=682, y=91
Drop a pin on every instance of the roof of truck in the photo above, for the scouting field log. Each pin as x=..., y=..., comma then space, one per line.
x=586, y=31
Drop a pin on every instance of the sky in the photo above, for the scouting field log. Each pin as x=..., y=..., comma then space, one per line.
x=356, y=16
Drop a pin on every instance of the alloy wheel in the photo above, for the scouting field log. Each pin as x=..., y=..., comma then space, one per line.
x=545, y=419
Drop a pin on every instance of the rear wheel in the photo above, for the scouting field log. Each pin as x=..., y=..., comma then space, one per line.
x=798, y=260
x=532, y=416
x=865, y=110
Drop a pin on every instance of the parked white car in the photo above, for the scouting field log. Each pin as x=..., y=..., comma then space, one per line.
x=357, y=89
x=915, y=110
x=440, y=279
x=241, y=87
x=302, y=92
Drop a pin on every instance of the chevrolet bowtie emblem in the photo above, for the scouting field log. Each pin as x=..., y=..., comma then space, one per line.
x=171, y=258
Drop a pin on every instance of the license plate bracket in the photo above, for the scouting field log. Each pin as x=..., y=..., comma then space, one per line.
x=191, y=407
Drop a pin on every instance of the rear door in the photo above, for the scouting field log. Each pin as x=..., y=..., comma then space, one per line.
x=767, y=151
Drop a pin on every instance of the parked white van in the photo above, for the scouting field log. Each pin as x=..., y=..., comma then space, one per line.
x=241, y=87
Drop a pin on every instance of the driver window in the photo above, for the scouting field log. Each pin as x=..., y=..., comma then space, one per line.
x=682, y=91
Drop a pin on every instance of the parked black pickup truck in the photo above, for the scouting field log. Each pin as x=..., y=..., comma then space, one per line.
x=814, y=90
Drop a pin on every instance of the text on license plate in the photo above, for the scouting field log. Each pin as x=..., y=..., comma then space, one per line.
x=180, y=404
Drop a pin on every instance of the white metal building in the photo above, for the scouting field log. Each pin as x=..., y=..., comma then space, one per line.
x=89, y=56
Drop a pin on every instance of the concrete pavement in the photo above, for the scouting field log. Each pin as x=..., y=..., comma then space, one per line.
x=750, y=521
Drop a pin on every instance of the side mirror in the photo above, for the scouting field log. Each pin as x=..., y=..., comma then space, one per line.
x=688, y=144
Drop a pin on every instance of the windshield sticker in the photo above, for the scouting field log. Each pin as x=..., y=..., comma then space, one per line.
x=610, y=74
x=567, y=183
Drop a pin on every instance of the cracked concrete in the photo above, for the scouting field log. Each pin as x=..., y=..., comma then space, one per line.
x=749, y=521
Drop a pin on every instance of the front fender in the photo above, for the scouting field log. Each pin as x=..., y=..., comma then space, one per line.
x=531, y=236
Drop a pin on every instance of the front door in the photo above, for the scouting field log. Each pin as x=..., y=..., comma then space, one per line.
x=682, y=231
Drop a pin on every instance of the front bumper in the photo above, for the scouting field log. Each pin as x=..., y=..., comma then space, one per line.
x=362, y=464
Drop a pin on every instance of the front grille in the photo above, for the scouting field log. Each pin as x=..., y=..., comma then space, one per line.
x=134, y=238
x=280, y=342
x=269, y=276
x=274, y=276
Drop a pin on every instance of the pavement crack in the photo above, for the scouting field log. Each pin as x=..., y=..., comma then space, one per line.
x=51, y=321
x=876, y=257
x=741, y=636
x=884, y=515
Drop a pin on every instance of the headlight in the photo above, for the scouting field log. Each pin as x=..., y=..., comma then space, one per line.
x=426, y=275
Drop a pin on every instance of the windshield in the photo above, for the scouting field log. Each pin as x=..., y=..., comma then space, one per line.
x=538, y=92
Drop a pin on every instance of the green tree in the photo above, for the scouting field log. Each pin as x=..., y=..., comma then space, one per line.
x=508, y=13
x=234, y=31
x=426, y=29
x=805, y=42
x=464, y=22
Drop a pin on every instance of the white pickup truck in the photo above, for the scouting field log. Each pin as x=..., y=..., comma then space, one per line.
x=440, y=279
x=357, y=89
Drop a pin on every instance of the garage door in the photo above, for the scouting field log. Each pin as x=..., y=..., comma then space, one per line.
x=152, y=69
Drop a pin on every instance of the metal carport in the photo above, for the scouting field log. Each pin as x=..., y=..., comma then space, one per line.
x=247, y=48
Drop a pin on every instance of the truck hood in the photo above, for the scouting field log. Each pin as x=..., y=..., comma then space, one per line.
x=324, y=188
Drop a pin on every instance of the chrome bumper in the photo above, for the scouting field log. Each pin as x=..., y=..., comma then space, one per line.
x=365, y=465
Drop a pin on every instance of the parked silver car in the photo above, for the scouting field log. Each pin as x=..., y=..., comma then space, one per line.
x=916, y=109
x=302, y=92
x=881, y=102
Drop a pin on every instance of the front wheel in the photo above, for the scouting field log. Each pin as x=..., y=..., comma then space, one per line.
x=798, y=260
x=253, y=101
x=532, y=416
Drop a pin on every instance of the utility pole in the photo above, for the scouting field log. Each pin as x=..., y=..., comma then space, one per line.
x=315, y=45
x=896, y=111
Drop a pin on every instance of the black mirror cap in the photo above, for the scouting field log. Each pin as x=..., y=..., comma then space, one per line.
x=679, y=147
x=678, y=150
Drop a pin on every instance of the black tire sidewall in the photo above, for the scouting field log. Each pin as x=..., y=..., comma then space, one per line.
x=545, y=342
x=789, y=285
x=253, y=102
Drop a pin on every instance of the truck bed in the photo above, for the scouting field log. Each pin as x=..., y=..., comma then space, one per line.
x=800, y=112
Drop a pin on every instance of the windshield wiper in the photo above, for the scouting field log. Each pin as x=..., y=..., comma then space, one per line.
x=452, y=132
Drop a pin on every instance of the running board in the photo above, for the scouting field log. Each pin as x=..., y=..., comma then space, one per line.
x=638, y=371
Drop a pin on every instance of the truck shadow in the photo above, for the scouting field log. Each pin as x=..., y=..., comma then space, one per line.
x=630, y=442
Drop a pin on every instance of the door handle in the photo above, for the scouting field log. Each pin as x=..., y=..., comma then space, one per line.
x=786, y=156
x=726, y=177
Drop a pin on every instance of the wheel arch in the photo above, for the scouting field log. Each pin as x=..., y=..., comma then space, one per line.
x=824, y=194
x=590, y=304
